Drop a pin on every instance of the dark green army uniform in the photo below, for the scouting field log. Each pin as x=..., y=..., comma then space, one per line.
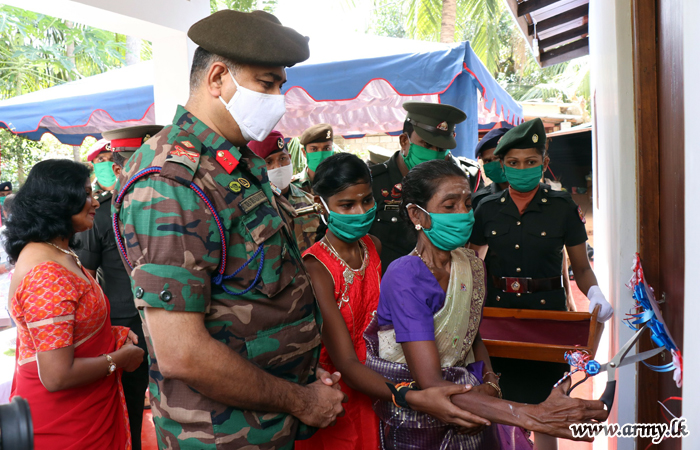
x=302, y=181
x=305, y=226
x=523, y=265
x=173, y=243
x=434, y=123
x=483, y=192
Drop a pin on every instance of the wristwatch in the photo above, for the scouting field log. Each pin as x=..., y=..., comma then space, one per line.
x=112, y=366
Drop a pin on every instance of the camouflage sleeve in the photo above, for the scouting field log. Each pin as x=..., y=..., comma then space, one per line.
x=173, y=244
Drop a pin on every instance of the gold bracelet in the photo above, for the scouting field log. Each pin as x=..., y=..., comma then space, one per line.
x=111, y=366
x=495, y=386
x=497, y=375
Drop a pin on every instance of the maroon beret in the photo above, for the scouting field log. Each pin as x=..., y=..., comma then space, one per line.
x=271, y=144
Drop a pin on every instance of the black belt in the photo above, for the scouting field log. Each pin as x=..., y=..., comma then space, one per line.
x=526, y=285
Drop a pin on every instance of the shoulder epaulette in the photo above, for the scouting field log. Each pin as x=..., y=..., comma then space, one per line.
x=378, y=169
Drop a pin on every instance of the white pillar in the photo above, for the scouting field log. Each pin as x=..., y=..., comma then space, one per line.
x=163, y=22
x=614, y=184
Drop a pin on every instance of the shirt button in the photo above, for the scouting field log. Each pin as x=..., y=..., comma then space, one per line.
x=394, y=219
x=518, y=294
x=493, y=232
x=546, y=190
x=517, y=246
x=518, y=270
x=498, y=298
x=139, y=293
x=544, y=233
x=503, y=199
x=517, y=223
x=542, y=301
x=166, y=296
x=544, y=200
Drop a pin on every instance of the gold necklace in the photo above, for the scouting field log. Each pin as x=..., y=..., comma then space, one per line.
x=415, y=250
x=67, y=252
x=363, y=255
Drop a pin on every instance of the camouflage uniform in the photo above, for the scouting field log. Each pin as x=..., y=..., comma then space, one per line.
x=305, y=227
x=302, y=181
x=173, y=243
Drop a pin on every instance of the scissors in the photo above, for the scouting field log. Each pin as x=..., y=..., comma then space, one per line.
x=621, y=360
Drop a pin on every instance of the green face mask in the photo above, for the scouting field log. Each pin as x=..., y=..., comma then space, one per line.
x=524, y=180
x=350, y=227
x=449, y=231
x=2, y=200
x=418, y=154
x=315, y=158
x=105, y=174
x=494, y=172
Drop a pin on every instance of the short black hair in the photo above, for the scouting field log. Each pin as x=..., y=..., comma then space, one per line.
x=201, y=62
x=338, y=172
x=407, y=128
x=7, y=204
x=422, y=182
x=43, y=207
x=335, y=174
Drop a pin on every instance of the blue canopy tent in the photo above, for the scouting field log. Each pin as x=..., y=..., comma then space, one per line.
x=358, y=85
x=72, y=111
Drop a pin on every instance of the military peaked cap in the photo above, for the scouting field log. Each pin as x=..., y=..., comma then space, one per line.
x=434, y=122
x=256, y=37
x=490, y=140
x=129, y=139
x=529, y=134
x=318, y=133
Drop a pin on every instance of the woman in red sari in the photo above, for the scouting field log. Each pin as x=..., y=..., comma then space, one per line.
x=69, y=357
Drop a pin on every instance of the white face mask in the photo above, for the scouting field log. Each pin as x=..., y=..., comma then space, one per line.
x=281, y=176
x=255, y=113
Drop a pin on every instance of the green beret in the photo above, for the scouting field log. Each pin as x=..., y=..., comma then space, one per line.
x=129, y=139
x=434, y=122
x=322, y=132
x=528, y=134
x=256, y=37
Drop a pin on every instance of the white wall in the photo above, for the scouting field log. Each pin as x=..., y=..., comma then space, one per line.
x=691, y=351
x=163, y=22
x=614, y=185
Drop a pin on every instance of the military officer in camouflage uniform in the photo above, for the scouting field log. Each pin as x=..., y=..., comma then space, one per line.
x=491, y=165
x=317, y=145
x=428, y=133
x=279, y=169
x=228, y=310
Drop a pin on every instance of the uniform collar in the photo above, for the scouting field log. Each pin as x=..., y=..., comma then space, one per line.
x=540, y=199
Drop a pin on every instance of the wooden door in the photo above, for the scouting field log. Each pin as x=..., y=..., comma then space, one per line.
x=658, y=69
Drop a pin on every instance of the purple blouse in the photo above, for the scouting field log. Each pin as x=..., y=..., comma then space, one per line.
x=408, y=298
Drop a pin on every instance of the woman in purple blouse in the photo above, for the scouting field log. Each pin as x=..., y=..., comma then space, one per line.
x=426, y=331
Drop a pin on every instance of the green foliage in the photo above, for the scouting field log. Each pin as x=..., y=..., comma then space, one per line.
x=389, y=19
x=243, y=5
x=39, y=51
x=18, y=155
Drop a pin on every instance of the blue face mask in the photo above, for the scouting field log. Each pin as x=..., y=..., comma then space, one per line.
x=350, y=227
x=449, y=231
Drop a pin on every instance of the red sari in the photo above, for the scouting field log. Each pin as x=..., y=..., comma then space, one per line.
x=55, y=308
x=357, y=295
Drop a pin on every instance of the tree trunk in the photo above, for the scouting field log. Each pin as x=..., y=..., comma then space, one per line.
x=449, y=18
x=20, y=171
x=133, y=50
x=76, y=153
x=70, y=51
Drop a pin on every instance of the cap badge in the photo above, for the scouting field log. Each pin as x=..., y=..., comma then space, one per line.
x=328, y=134
x=145, y=138
x=442, y=126
x=108, y=147
x=280, y=143
x=535, y=138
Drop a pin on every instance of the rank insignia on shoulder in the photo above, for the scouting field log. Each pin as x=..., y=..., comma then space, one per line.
x=581, y=215
x=187, y=158
x=385, y=192
x=234, y=187
x=187, y=144
x=245, y=183
x=227, y=160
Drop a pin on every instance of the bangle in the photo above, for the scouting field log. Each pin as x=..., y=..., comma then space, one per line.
x=399, y=391
x=111, y=365
x=495, y=386
x=497, y=375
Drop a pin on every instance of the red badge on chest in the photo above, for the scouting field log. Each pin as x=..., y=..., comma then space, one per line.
x=227, y=161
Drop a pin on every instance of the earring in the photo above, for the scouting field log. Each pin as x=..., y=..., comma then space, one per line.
x=418, y=226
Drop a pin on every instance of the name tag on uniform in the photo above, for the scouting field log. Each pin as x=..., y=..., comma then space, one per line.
x=391, y=207
x=252, y=202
